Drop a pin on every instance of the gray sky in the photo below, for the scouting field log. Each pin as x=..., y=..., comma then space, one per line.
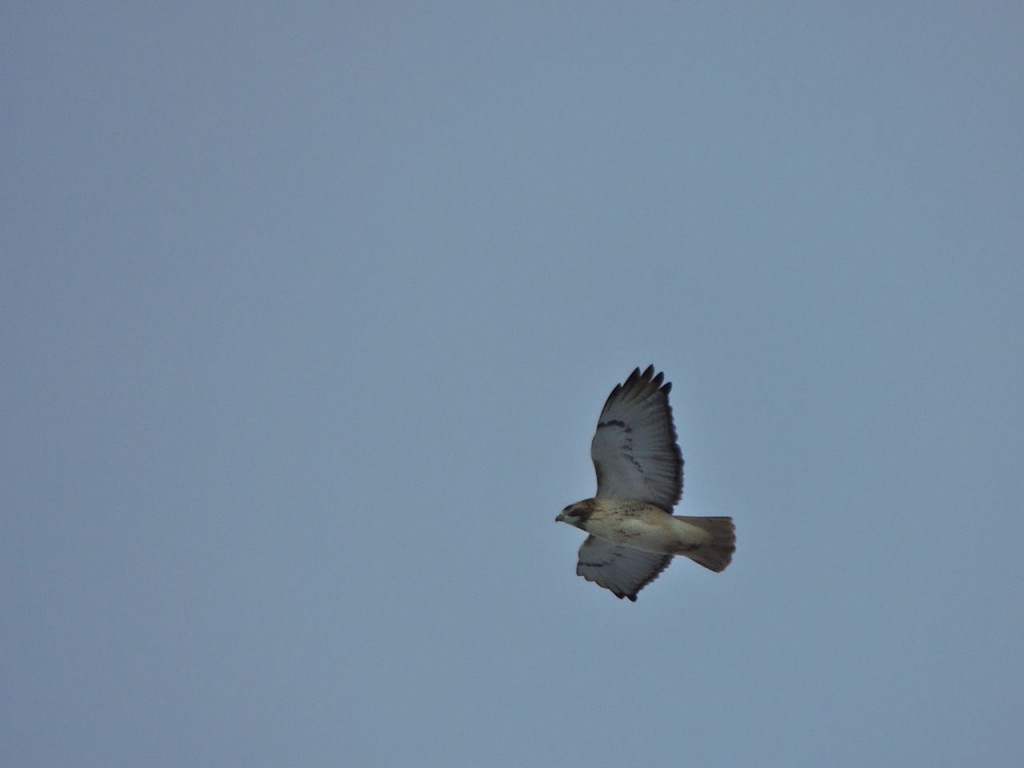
x=308, y=312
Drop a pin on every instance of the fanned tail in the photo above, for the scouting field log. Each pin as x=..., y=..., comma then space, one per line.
x=719, y=542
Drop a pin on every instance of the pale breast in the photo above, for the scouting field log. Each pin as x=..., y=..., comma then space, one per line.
x=634, y=523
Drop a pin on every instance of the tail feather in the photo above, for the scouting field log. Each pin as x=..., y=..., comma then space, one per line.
x=719, y=541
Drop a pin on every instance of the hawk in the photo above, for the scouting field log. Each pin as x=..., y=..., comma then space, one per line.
x=633, y=534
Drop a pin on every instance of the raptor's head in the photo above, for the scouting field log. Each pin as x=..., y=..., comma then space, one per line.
x=576, y=514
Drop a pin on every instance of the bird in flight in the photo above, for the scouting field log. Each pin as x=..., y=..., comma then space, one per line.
x=633, y=533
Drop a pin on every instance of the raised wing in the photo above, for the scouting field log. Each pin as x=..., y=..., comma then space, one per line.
x=634, y=448
x=624, y=570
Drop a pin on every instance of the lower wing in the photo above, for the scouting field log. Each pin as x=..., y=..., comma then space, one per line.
x=621, y=569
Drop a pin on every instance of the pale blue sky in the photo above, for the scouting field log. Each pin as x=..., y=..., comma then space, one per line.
x=308, y=311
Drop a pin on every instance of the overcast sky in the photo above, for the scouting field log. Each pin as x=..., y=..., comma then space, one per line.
x=307, y=314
